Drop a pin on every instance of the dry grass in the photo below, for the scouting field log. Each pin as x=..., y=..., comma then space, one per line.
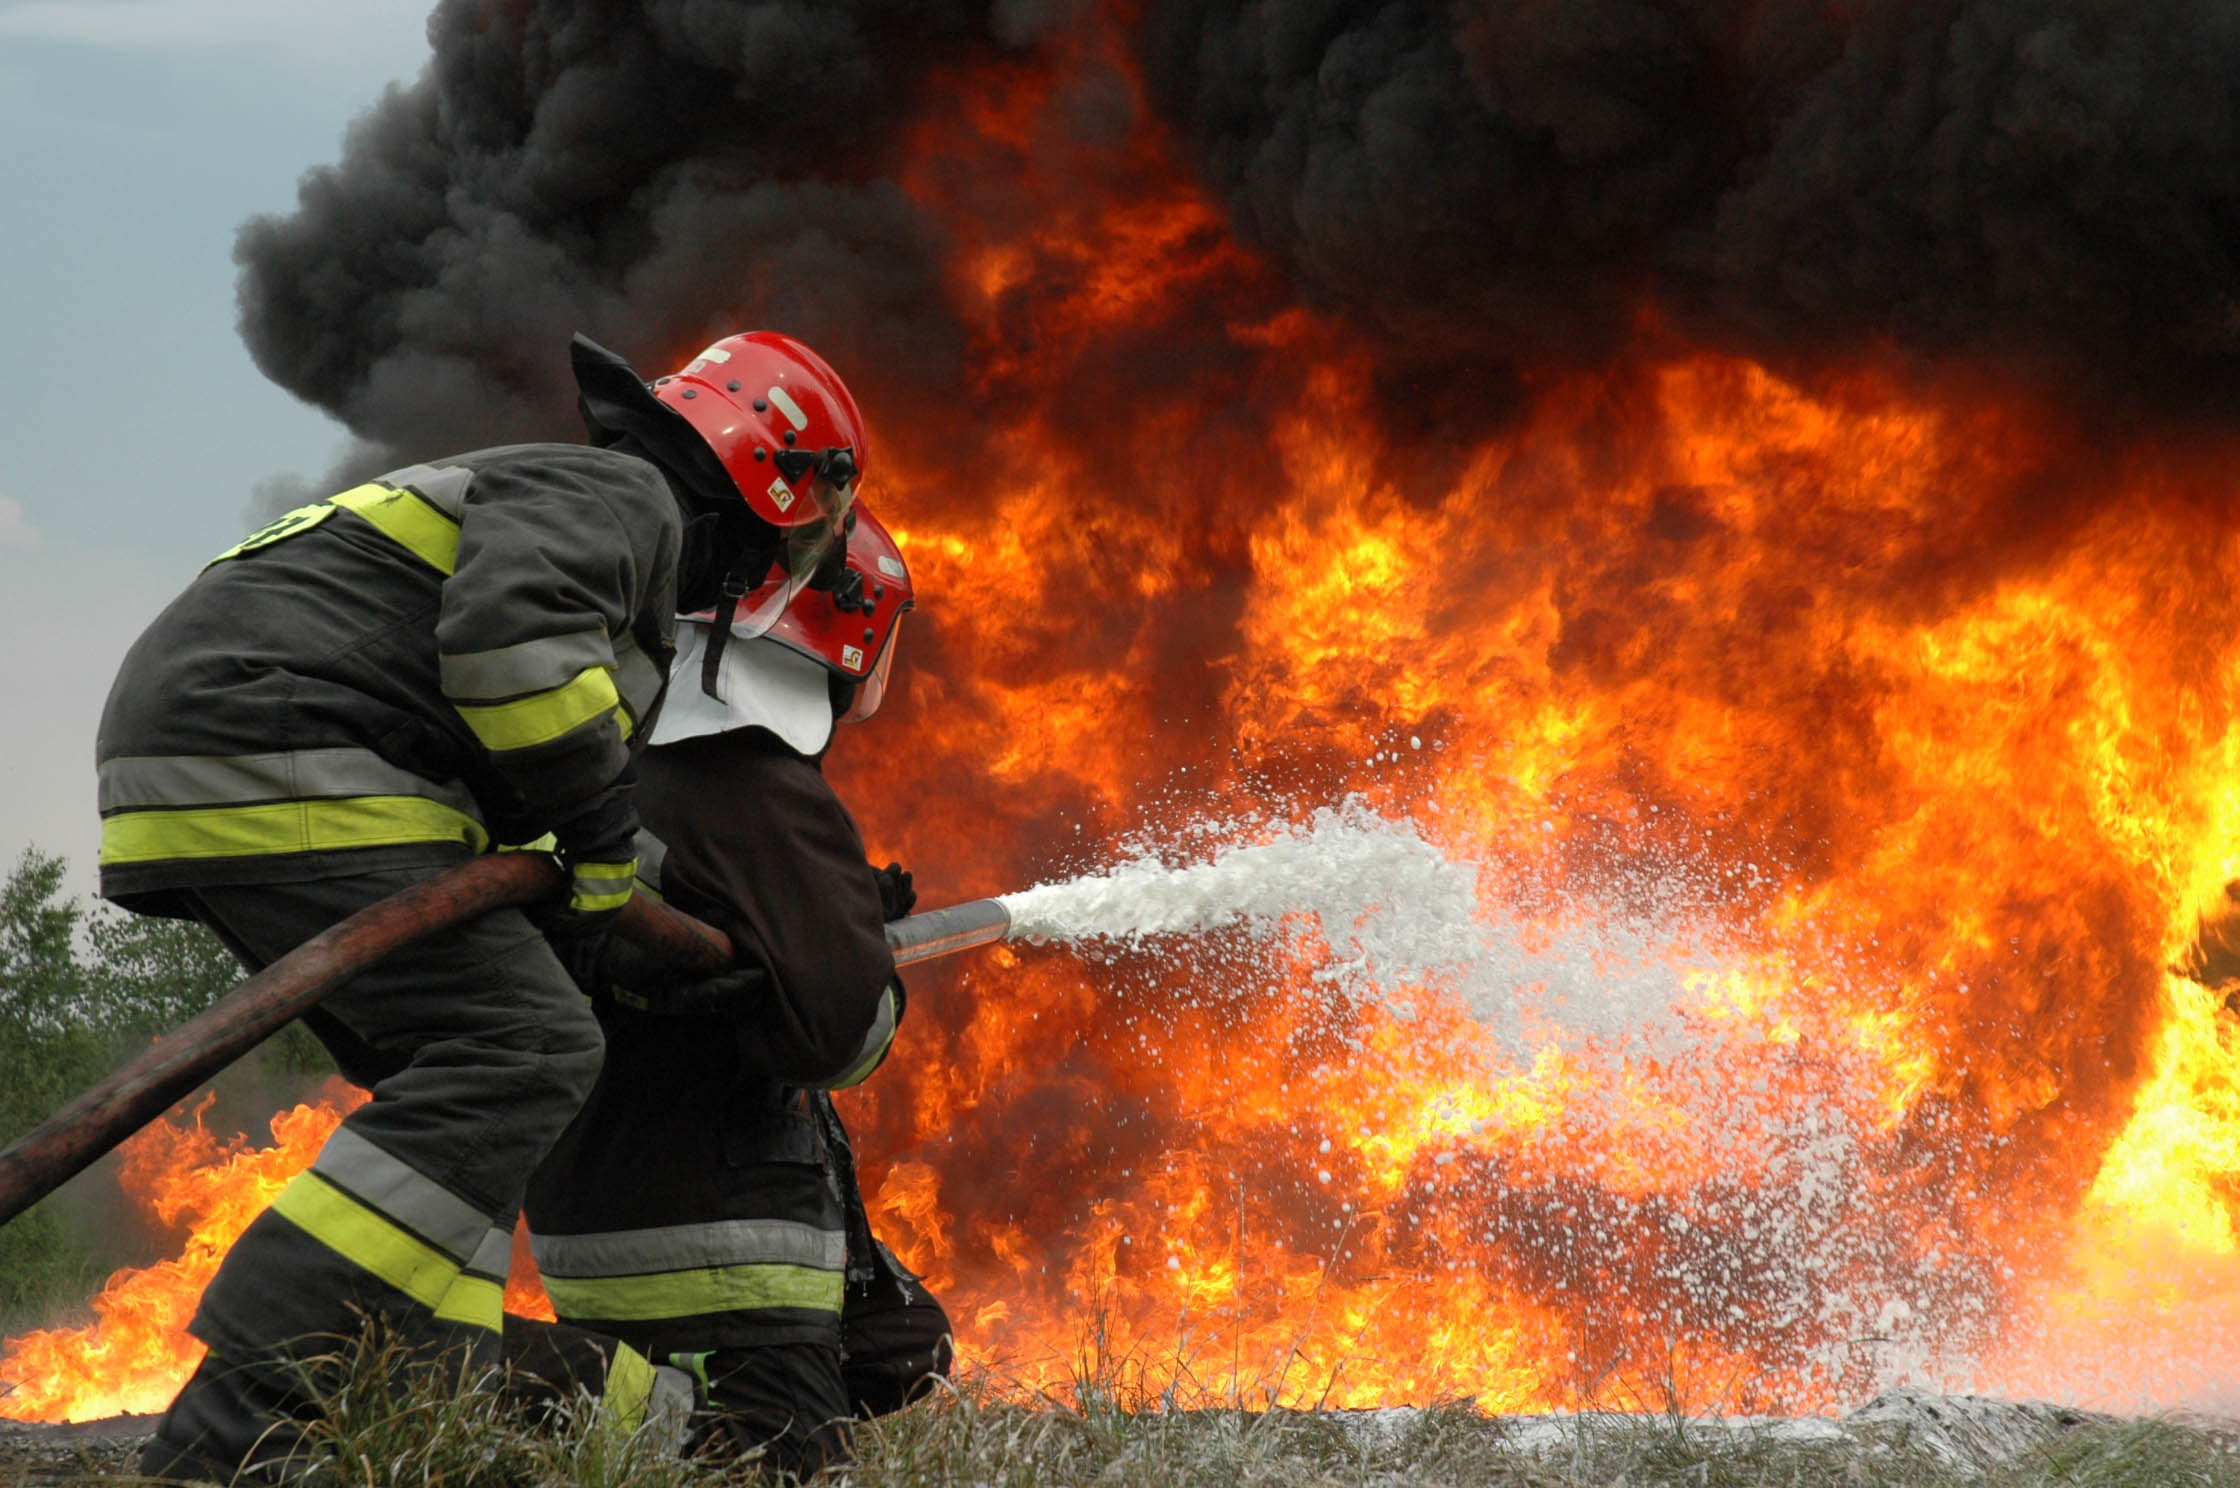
x=389, y=1424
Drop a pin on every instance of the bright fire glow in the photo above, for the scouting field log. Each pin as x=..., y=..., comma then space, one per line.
x=1848, y=758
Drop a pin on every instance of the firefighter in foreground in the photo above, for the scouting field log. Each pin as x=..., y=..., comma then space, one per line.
x=703, y=1207
x=455, y=656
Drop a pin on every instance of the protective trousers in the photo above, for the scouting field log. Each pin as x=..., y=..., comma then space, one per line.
x=477, y=1048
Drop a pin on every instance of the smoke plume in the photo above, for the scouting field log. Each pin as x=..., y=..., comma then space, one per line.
x=2049, y=185
x=2052, y=184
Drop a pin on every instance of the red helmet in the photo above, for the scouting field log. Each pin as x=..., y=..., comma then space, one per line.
x=851, y=626
x=792, y=439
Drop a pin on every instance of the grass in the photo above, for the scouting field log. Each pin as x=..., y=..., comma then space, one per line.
x=390, y=1424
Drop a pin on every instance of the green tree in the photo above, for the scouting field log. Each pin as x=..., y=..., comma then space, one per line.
x=48, y=1051
x=79, y=994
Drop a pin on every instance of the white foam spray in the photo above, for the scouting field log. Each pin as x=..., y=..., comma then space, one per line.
x=1393, y=909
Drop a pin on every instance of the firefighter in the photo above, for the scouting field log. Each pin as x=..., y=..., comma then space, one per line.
x=456, y=656
x=703, y=1206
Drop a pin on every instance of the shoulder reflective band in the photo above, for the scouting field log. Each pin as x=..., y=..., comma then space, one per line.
x=542, y=717
x=406, y=518
x=373, y=1244
x=279, y=827
x=287, y=525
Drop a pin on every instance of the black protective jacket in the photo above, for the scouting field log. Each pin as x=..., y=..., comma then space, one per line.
x=701, y=1199
x=450, y=656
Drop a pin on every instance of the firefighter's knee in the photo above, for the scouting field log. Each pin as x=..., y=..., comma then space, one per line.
x=574, y=1054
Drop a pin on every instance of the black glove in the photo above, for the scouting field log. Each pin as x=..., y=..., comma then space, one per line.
x=599, y=849
x=735, y=994
x=896, y=896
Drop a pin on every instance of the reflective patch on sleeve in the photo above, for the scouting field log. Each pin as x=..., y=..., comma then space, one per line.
x=596, y=888
x=527, y=667
x=873, y=1052
x=652, y=853
x=542, y=717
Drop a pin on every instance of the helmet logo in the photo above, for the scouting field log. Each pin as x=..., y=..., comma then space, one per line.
x=851, y=657
x=781, y=493
x=783, y=402
x=712, y=354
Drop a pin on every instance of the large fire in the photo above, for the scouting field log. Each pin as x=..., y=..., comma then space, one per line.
x=1850, y=758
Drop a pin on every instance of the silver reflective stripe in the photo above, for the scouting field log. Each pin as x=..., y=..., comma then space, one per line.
x=730, y=1242
x=652, y=853
x=137, y=781
x=494, y=1256
x=530, y=666
x=635, y=676
x=444, y=487
x=396, y=1190
x=669, y=1410
x=872, y=1049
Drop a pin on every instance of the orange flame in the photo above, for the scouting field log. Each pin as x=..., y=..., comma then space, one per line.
x=1848, y=755
x=136, y=1353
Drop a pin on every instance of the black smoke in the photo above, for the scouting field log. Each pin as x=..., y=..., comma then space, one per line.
x=2051, y=186
x=643, y=172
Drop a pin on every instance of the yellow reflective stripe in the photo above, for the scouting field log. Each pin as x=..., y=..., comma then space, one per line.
x=597, y=887
x=288, y=524
x=476, y=1301
x=543, y=716
x=709, y=1289
x=407, y=520
x=276, y=827
x=622, y=1405
x=367, y=1240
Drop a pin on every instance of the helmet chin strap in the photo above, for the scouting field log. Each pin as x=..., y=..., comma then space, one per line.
x=750, y=569
x=711, y=660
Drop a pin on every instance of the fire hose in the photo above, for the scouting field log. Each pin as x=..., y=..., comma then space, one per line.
x=76, y=1136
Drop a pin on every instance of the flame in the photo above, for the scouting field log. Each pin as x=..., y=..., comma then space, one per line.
x=1848, y=753
x=179, y=1174
x=136, y=1353
x=1845, y=756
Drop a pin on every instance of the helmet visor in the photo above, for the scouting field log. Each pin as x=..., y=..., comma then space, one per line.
x=807, y=548
x=872, y=690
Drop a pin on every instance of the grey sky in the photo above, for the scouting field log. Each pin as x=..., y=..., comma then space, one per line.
x=140, y=133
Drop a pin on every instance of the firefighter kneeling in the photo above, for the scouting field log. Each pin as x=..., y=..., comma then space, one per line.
x=703, y=1207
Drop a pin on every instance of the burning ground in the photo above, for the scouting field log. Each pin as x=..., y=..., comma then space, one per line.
x=1746, y=479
